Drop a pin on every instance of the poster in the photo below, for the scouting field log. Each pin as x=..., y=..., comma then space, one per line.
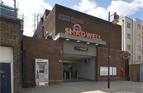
x=104, y=71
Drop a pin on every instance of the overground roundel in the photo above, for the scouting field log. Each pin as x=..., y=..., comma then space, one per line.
x=77, y=27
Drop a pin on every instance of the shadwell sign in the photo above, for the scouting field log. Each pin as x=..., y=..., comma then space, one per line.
x=76, y=30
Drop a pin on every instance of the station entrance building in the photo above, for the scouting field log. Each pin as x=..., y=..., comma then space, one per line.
x=69, y=45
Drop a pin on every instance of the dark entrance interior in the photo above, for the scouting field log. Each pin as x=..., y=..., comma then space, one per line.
x=78, y=68
x=5, y=78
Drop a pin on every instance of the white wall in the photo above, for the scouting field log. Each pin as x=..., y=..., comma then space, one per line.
x=137, y=41
x=6, y=54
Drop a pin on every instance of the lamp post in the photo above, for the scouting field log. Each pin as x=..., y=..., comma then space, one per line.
x=116, y=17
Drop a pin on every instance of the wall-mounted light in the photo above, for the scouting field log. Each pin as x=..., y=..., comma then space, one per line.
x=67, y=39
x=87, y=42
x=78, y=41
x=96, y=44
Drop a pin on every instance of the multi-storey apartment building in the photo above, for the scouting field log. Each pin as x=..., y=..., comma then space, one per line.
x=137, y=41
x=132, y=38
x=132, y=41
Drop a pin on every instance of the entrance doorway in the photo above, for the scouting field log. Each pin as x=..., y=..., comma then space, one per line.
x=78, y=68
x=6, y=70
x=70, y=71
x=5, y=78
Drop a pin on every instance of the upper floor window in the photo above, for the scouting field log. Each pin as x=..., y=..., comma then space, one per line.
x=139, y=36
x=139, y=58
x=138, y=26
x=139, y=48
x=128, y=25
x=129, y=36
x=129, y=47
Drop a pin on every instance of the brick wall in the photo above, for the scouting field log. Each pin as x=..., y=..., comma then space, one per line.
x=9, y=36
x=135, y=72
x=43, y=49
x=89, y=24
x=116, y=60
x=47, y=25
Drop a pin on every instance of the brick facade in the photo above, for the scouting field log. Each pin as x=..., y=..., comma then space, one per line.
x=61, y=17
x=135, y=72
x=116, y=60
x=88, y=24
x=43, y=49
x=10, y=37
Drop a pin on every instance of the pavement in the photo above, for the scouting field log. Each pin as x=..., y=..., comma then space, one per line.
x=89, y=87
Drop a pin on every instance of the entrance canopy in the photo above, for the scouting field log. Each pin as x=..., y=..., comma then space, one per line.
x=81, y=39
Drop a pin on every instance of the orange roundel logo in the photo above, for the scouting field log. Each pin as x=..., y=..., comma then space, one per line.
x=77, y=27
x=76, y=30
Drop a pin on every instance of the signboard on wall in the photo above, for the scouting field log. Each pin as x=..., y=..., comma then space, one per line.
x=104, y=71
x=80, y=48
x=76, y=30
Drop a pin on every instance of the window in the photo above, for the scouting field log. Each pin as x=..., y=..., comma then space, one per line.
x=128, y=25
x=138, y=26
x=129, y=47
x=139, y=36
x=139, y=48
x=129, y=36
x=139, y=58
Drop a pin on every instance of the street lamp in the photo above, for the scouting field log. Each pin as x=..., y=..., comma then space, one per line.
x=116, y=18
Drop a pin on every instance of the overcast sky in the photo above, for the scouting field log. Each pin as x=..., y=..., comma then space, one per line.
x=98, y=8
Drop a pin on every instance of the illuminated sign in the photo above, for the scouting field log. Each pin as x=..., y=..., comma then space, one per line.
x=76, y=30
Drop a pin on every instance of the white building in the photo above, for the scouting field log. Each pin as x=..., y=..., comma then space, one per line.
x=132, y=38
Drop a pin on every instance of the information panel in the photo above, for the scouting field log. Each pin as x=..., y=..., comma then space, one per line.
x=104, y=71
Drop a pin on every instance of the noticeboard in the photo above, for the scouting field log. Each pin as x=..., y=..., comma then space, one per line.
x=104, y=71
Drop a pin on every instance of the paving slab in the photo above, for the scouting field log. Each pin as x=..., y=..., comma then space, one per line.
x=89, y=87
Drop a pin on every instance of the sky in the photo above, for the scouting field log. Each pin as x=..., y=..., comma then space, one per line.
x=98, y=8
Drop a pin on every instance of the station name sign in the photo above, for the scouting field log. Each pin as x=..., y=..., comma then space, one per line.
x=76, y=30
x=81, y=48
